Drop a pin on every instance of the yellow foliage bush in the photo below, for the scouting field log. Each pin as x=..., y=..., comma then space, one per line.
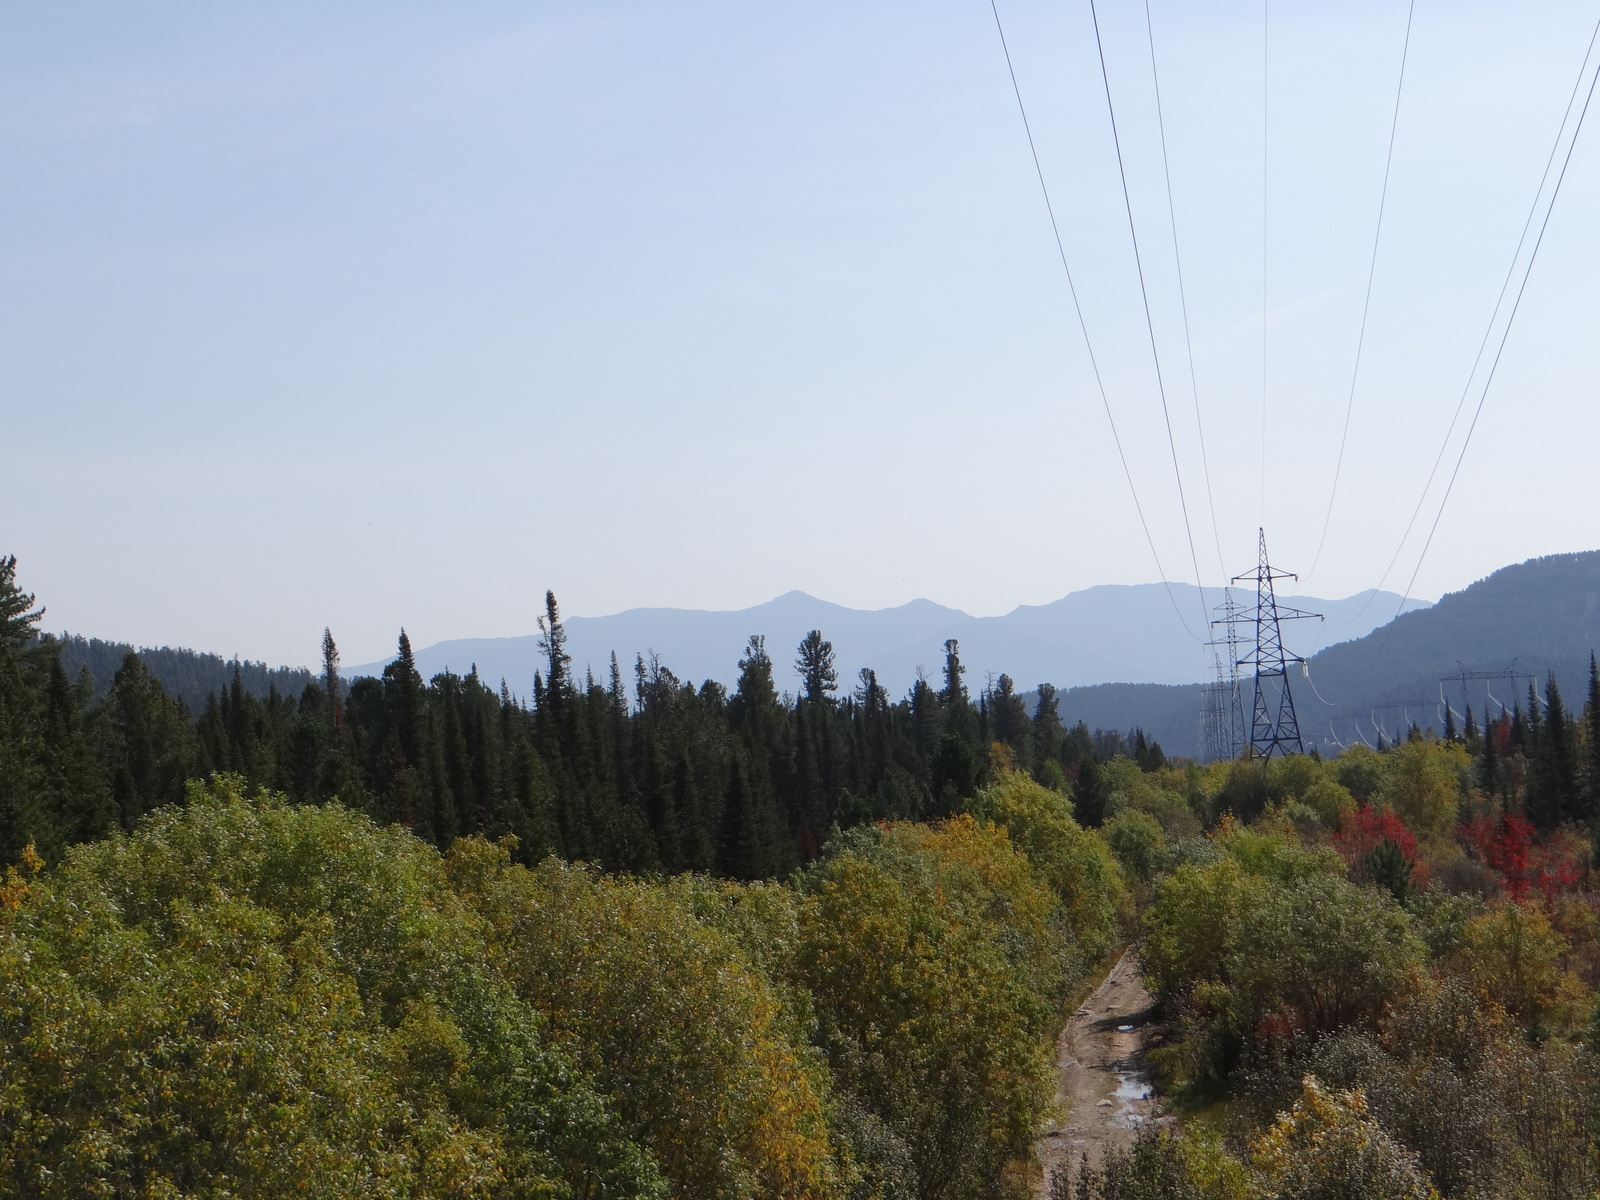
x=1513, y=957
x=1075, y=862
x=1328, y=1145
x=668, y=1015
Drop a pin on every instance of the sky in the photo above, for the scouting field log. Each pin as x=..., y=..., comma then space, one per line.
x=379, y=315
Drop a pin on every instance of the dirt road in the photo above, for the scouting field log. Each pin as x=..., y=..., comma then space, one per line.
x=1102, y=1087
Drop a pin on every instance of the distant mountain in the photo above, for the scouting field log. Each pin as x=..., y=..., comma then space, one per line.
x=1136, y=634
x=1523, y=622
x=190, y=675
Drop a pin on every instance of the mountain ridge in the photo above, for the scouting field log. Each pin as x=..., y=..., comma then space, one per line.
x=1107, y=632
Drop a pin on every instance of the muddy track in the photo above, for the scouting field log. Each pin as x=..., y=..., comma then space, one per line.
x=1102, y=1087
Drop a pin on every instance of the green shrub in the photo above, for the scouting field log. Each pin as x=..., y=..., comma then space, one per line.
x=922, y=953
x=1075, y=862
x=249, y=999
x=687, y=1038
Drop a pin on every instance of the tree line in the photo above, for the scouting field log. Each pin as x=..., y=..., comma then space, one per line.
x=640, y=771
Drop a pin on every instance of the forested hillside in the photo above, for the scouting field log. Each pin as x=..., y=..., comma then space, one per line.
x=187, y=675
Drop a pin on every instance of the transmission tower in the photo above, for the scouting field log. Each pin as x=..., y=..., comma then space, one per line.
x=1222, y=715
x=1214, y=713
x=1274, y=728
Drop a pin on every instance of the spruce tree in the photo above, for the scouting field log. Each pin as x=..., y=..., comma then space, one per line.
x=553, y=641
x=74, y=786
x=1560, y=766
x=147, y=742
x=1088, y=794
x=1591, y=747
x=1049, y=738
x=1489, y=763
x=739, y=849
x=404, y=692
x=954, y=695
x=1008, y=719
x=331, y=684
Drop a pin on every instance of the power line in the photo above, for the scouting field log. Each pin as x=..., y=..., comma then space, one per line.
x=1266, y=41
x=1505, y=335
x=1183, y=299
x=1149, y=322
x=1494, y=317
x=1366, y=304
x=1082, y=324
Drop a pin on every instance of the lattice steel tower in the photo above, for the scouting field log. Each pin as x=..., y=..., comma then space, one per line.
x=1222, y=714
x=1274, y=728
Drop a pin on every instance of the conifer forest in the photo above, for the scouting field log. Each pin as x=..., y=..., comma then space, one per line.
x=641, y=937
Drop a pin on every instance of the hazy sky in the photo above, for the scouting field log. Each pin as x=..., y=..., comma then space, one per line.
x=379, y=314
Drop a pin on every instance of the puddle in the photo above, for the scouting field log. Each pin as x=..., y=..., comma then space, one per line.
x=1131, y=1090
x=1124, y=1028
x=1131, y=1087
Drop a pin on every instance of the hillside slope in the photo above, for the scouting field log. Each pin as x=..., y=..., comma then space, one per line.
x=190, y=675
x=1531, y=619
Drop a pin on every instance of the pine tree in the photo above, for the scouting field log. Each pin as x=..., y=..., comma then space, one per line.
x=19, y=620
x=1449, y=723
x=814, y=665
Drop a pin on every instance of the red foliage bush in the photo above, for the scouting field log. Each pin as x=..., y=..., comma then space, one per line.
x=1363, y=830
x=1506, y=845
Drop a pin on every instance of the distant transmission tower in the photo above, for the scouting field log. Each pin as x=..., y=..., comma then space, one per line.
x=1222, y=714
x=1214, y=711
x=1274, y=728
